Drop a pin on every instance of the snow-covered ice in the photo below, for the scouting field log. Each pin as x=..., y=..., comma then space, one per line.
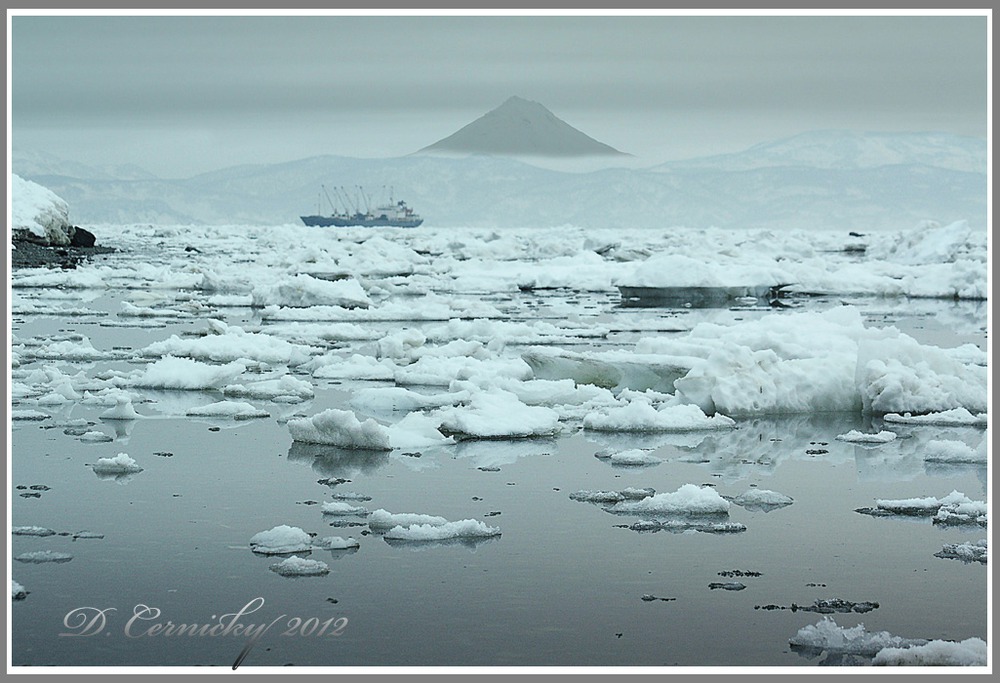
x=970, y=551
x=17, y=591
x=689, y=499
x=281, y=540
x=762, y=499
x=239, y=410
x=297, y=566
x=336, y=543
x=827, y=635
x=953, y=417
x=465, y=528
x=340, y=508
x=969, y=652
x=119, y=464
x=341, y=428
x=854, y=436
x=382, y=519
x=42, y=556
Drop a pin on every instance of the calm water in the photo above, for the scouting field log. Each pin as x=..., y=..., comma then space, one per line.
x=563, y=585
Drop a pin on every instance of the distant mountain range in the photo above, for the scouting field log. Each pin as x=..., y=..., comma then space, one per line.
x=824, y=179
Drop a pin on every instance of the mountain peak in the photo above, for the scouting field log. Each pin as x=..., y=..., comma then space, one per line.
x=521, y=127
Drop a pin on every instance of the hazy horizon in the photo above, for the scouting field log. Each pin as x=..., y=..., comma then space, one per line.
x=181, y=95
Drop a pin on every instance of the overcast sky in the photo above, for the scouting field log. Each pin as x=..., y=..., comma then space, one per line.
x=182, y=95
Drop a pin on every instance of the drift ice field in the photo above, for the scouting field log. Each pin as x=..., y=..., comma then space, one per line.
x=477, y=448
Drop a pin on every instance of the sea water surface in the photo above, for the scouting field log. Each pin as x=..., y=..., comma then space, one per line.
x=563, y=585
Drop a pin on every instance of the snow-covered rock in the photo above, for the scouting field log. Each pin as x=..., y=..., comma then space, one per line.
x=38, y=214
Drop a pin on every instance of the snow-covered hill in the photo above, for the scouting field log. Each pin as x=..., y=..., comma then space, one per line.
x=828, y=180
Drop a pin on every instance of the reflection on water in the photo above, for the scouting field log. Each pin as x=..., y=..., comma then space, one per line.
x=331, y=461
x=470, y=544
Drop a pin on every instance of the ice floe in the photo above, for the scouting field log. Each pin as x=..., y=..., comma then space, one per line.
x=32, y=531
x=341, y=509
x=954, y=509
x=641, y=416
x=382, y=520
x=688, y=500
x=954, y=417
x=297, y=566
x=41, y=556
x=498, y=414
x=119, y=464
x=762, y=499
x=335, y=543
x=970, y=551
x=827, y=635
x=239, y=410
x=341, y=428
x=969, y=652
x=228, y=343
x=854, y=436
x=304, y=291
x=171, y=372
x=17, y=591
x=281, y=540
x=465, y=528
x=950, y=451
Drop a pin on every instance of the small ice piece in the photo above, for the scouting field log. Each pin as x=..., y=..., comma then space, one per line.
x=349, y=495
x=854, y=436
x=39, y=556
x=969, y=652
x=336, y=543
x=343, y=509
x=632, y=493
x=762, y=499
x=970, y=551
x=17, y=591
x=597, y=496
x=827, y=635
x=31, y=531
x=383, y=519
x=239, y=410
x=297, y=566
x=499, y=414
x=281, y=540
x=728, y=586
x=28, y=415
x=340, y=428
x=87, y=534
x=640, y=416
x=120, y=464
x=955, y=417
x=465, y=528
x=122, y=410
x=689, y=499
x=95, y=437
x=634, y=458
x=947, y=451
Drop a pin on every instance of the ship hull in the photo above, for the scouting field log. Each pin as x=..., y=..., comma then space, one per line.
x=363, y=222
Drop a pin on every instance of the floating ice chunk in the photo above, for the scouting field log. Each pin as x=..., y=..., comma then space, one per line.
x=587, y=496
x=381, y=520
x=854, y=436
x=634, y=458
x=305, y=291
x=969, y=652
x=231, y=344
x=466, y=528
x=349, y=495
x=897, y=374
x=271, y=389
x=69, y=350
x=953, y=452
x=955, y=417
x=341, y=508
x=39, y=556
x=297, y=566
x=29, y=415
x=762, y=499
x=498, y=414
x=826, y=635
x=32, y=531
x=17, y=591
x=398, y=399
x=95, y=437
x=120, y=464
x=954, y=509
x=171, y=372
x=281, y=540
x=341, y=428
x=122, y=410
x=971, y=551
x=640, y=416
x=689, y=499
x=235, y=409
x=355, y=367
x=417, y=430
x=336, y=543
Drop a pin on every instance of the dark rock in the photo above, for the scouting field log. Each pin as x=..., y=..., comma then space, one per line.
x=82, y=238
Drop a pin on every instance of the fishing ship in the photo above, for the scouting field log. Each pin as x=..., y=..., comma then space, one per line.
x=391, y=214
